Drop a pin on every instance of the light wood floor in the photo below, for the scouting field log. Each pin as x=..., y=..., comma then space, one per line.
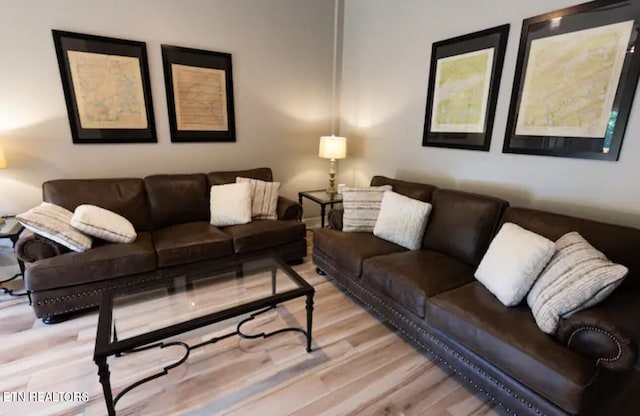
x=359, y=366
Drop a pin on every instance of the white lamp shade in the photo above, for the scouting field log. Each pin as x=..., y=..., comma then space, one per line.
x=333, y=147
x=3, y=161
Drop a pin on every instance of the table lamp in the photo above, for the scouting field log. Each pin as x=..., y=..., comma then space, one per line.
x=332, y=148
x=3, y=164
x=3, y=161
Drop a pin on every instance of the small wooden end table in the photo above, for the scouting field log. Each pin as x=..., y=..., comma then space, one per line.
x=11, y=230
x=323, y=198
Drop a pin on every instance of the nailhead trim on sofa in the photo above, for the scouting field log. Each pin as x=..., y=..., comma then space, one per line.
x=85, y=294
x=602, y=331
x=327, y=264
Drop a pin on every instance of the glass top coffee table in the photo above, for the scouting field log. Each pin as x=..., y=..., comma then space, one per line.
x=142, y=317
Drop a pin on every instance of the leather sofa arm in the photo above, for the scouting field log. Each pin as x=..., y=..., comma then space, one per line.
x=33, y=247
x=335, y=218
x=607, y=333
x=288, y=209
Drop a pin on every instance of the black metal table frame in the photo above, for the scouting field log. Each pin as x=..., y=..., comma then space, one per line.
x=104, y=348
x=323, y=204
x=14, y=239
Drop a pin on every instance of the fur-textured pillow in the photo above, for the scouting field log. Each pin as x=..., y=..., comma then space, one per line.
x=54, y=222
x=577, y=277
x=104, y=224
x=361, y=207
x=264, y=198
x=230, y=204
x=513, y=262
x=402, y=220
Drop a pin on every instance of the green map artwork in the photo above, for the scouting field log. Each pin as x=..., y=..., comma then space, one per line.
x=108, y=90
x=571, y=82
x=461, y=92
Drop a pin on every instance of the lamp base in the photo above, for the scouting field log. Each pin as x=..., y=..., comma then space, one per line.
x=332, y=177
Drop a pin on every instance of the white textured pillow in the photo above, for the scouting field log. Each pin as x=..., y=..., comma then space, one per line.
x=361, y=207
x=402, y=220
x=230, y=204
x=578, y=277
x=104, y=224
x=54, y=222
x=264, y=198
x=515, y=259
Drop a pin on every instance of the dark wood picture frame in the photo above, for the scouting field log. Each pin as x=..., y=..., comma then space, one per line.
x=592, y=15
x=196, y=113
x=495, y=38
x=102, y=121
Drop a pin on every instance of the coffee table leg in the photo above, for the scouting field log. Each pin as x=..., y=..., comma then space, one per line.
x=273, y=281
x=105, y=375
x=309, y=320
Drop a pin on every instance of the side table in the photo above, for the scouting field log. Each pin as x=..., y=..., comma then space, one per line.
x=11, y=230
x=323, y=198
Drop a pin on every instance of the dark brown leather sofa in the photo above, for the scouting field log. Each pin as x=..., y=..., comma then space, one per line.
x=171, y=215
x=431, y=297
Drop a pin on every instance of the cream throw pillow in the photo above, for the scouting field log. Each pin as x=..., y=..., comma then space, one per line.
x=578, y=277
x=230, y=204
x=361, y=207
x=402, y=220
x=264, y=198
x=104, y=224
x=54, y=222
x=515, y=259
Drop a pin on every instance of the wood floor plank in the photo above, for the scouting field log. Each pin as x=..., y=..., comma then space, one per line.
x=359, y=365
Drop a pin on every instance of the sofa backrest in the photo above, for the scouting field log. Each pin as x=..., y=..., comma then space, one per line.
x=221, y=178
x=177, y=199
x=462, y=224
x=126, y=196
x=414, y=190
x=620, y=244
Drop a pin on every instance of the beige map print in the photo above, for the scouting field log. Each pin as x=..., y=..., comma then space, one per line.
x=461, y=92
x=108, y=90
x=200, y=96
x=571, y=82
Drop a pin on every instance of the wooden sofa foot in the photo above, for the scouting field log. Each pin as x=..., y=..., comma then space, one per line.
x=56, y=319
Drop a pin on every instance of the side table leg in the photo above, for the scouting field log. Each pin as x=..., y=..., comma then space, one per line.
x=309, y=320
x=105, y=376
x=322, y=212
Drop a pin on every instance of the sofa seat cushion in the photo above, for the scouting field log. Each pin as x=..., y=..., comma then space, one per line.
x=190, y=242
x=102, y=262
x=347, y=251
x=412, y=277
x=262, y=234
x=510, y=339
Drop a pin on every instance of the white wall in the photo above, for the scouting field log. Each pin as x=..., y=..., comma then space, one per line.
x=282, y=70
x=387, y=48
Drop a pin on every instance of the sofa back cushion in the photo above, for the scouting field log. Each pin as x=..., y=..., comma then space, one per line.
x=420, y=191
x=177, y=199
x=222, y=178
x=126, y=196
x=620, y=244
x=462, y=224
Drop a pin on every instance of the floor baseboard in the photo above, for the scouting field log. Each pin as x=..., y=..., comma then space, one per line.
x=313, y=222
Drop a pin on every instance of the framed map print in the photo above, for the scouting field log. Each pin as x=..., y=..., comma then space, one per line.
x=199, y=88
x=464, y=82
x=576, y=76
x=106, y=88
